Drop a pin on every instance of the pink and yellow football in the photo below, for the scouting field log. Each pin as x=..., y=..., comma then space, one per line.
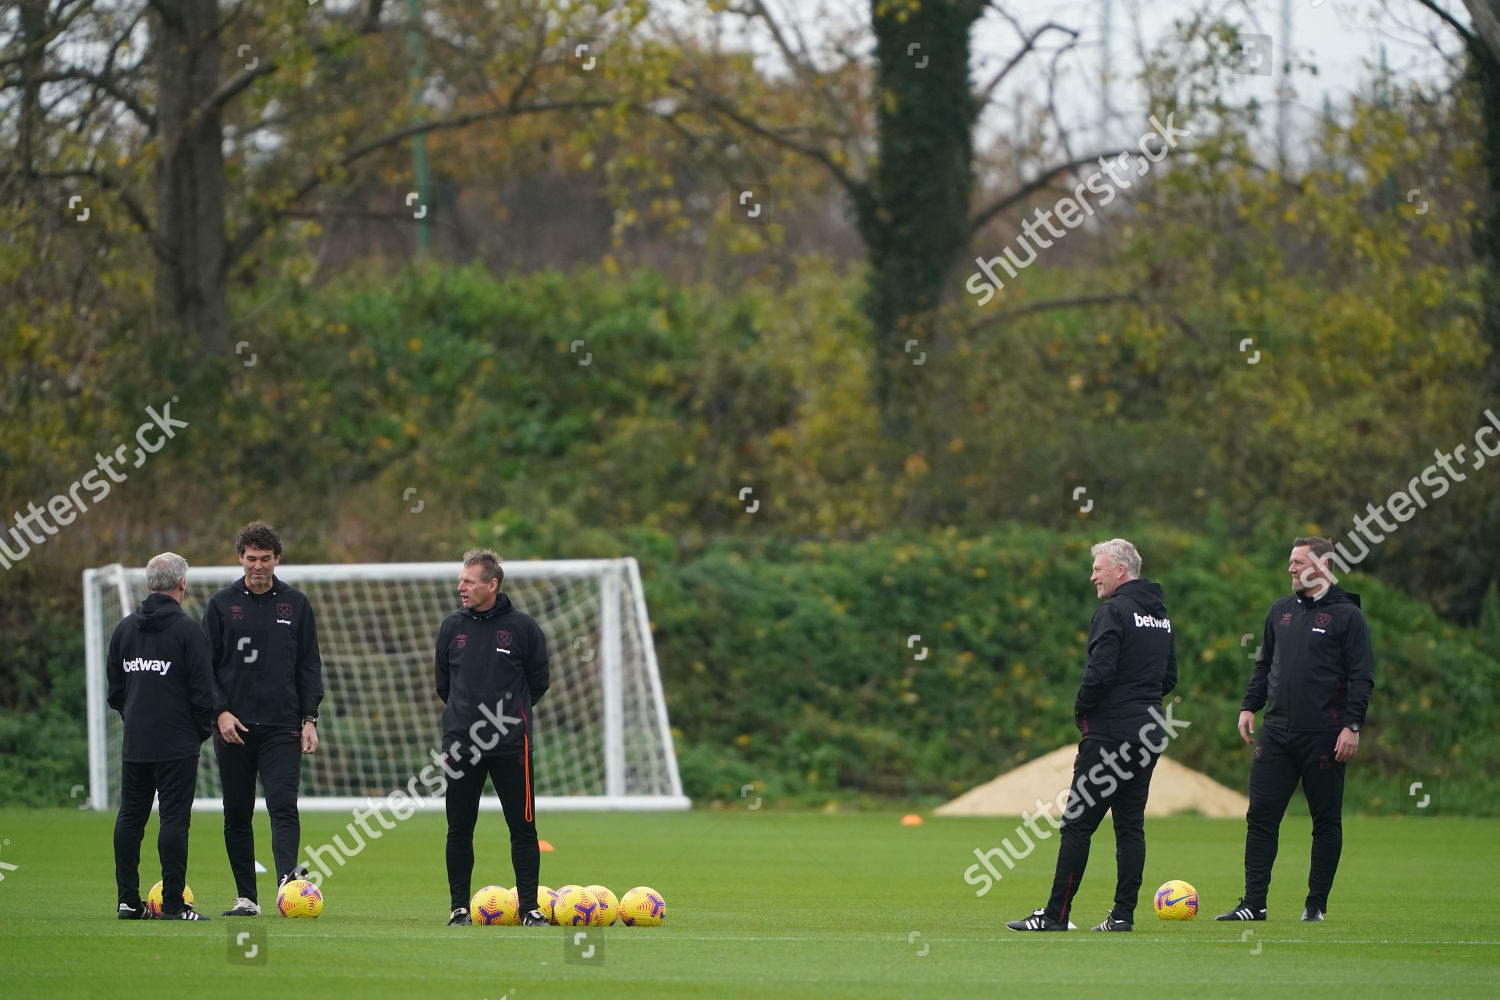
x=299, y=898
x=643, y=906
x=494, y=905
x=546, y=899
x=153, y=899
x=609, y=906
x=1176, y=900
x=575, y=906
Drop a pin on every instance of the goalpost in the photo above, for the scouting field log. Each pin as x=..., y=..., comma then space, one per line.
x=602, y=736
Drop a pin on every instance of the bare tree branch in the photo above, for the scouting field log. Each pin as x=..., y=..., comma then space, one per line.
x=1028, y=44
x=133, y=208
x=539, y=48
x=855, y=187
x=1451, y=21
x=799, y=59
x=1027, y=190
x=256, y=228
x=105, y=84
x=52, y=33
x=1076, y=302
x=230, y=89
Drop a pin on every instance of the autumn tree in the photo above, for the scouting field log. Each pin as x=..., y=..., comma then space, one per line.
x=1481, y=42
x=205, y=124
x=900, y=147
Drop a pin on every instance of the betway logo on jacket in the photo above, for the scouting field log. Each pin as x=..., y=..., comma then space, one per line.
x=150, y=666
x=1146, y=621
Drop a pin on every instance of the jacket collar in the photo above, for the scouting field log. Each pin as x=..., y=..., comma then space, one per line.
x=501, y=606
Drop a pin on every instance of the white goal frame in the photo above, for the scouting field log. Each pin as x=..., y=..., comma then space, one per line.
x=621, y=615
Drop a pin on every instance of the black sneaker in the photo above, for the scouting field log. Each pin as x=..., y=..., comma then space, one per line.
x=243, y=908
x=1111, y=924
x=1311, y=914
x=534, y=919
x=299, y=872
x=1243, y=912
x=136, y=912
x=460, y=917
x=1038, y=921
x=186, y=913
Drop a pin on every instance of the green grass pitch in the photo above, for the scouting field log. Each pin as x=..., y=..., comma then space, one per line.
x=763, y=904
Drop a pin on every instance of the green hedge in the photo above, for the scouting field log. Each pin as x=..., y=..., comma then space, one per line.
x=786, y=660
x=43, y=742
x=787, y=666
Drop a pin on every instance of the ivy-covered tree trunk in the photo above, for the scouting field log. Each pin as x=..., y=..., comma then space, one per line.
x=192, y=270
x=914, y=218
x=33, y=63
x=1484, y=69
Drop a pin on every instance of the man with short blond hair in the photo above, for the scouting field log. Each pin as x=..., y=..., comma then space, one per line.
x=491, y=668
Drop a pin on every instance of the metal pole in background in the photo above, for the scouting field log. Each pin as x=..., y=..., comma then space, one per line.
x=1284, y=84
x=419, y=147
x=1106, y=69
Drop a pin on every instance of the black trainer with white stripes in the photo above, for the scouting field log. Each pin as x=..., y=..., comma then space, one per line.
x=1038, y=921
x=1243, y=912
x=186, y=913
x=1111, y=924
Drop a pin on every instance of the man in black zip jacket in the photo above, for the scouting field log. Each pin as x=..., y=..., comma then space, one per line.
x=491, y=669
x=1313, y=677
x=268, y=682
x=161, y=683
x=1132, y=664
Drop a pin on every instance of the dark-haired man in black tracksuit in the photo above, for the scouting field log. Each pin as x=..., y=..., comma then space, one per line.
x=268, y=682
x=1132, y=664
x=161, y=683
x=1313, y=677
x=491, y=668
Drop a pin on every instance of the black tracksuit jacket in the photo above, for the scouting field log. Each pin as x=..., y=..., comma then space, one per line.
x=161, y=682
x=491, y=668
x=267, y=669
x=1132, y=664
x=1316, y=668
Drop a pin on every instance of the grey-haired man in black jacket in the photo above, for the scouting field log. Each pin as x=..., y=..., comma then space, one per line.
x=161, y=683
x=1132, y=664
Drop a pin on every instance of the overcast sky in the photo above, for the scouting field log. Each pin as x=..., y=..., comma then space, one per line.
x=1343, y=39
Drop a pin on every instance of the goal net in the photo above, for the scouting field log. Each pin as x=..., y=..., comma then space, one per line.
x=602, y=736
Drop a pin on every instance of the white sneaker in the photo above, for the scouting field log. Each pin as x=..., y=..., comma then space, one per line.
x=243, y=908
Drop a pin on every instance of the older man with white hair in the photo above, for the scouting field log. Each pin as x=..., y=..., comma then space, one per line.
x=161, y=683
x=1132, y=664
